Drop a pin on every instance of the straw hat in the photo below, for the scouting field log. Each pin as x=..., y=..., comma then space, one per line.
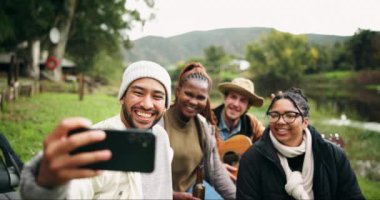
x=243, y=86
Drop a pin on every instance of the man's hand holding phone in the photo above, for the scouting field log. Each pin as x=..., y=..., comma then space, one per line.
x=73, y=150
x=132, y=150
x=58, y=166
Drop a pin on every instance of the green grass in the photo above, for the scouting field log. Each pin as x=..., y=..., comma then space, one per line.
x=329, y=77
x=29, y=120
x=370, y=189
x=339, y=75
x=373, y=87
x=366, y=78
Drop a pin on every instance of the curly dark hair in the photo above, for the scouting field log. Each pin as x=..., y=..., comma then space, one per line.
x=297, y=97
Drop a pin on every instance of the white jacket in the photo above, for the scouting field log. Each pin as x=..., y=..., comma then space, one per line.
x=110, y=184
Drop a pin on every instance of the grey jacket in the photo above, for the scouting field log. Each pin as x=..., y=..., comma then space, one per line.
x=215, y=173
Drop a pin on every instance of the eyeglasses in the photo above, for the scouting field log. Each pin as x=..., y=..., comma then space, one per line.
x=289, y=116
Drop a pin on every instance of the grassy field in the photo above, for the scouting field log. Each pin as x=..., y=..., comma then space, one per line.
x=28, y=120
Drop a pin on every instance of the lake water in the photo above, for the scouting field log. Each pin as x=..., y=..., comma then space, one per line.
x=356, y=103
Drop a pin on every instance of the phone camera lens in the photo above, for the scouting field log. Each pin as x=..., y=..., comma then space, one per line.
x=144, y=144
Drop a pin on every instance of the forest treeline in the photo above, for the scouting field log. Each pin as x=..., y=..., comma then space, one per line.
x=279, y=60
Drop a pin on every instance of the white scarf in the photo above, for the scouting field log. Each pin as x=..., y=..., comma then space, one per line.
x=299, y=186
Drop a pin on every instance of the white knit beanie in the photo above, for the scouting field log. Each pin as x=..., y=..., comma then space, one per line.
x=146, y=69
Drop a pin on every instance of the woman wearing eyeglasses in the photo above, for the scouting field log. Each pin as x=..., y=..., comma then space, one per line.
x=292, y=160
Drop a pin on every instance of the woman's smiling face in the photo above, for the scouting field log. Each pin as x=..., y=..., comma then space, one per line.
x=289, y=134
x=192, y=97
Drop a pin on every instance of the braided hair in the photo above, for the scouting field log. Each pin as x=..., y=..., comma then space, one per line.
x=297, y=97
x=197, y=71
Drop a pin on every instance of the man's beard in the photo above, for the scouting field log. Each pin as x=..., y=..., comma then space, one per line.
x=129, y=119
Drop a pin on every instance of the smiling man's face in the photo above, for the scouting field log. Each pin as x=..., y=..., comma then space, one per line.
x=144, y=103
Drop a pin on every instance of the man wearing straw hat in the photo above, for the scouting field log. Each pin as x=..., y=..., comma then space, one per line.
x=238, y=96
x=233, y=119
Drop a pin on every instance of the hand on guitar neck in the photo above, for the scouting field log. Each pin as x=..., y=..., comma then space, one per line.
x=231, y=150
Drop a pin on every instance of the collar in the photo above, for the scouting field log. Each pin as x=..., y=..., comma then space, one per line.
x=225, y=131
x=175, y=119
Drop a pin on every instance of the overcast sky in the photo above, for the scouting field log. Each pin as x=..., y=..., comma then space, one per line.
x=336, y=17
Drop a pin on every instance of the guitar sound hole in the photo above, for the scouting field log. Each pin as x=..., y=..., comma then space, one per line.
x=231, y=158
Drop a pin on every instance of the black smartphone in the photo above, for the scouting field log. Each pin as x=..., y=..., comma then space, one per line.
x=132, y=150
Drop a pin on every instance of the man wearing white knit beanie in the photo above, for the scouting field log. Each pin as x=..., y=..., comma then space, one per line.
x=144, y=96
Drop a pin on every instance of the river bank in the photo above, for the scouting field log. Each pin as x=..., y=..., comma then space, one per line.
x=343, y=121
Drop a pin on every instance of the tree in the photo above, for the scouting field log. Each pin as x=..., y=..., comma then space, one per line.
x=365, y=49
x=216, y=60
x=215, y=57
x=63, y=22
x=278, y=60
x=328, y=58
x=88, y=27
x=26, y=21
x=99, y=26
x=341, y=58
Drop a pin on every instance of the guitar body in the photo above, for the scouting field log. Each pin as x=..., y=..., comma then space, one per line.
x=231, y=150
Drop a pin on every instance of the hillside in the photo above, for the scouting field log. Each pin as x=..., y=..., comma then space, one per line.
x=181, y=47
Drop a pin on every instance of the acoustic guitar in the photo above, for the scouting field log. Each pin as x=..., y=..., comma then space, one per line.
x=231, y=150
